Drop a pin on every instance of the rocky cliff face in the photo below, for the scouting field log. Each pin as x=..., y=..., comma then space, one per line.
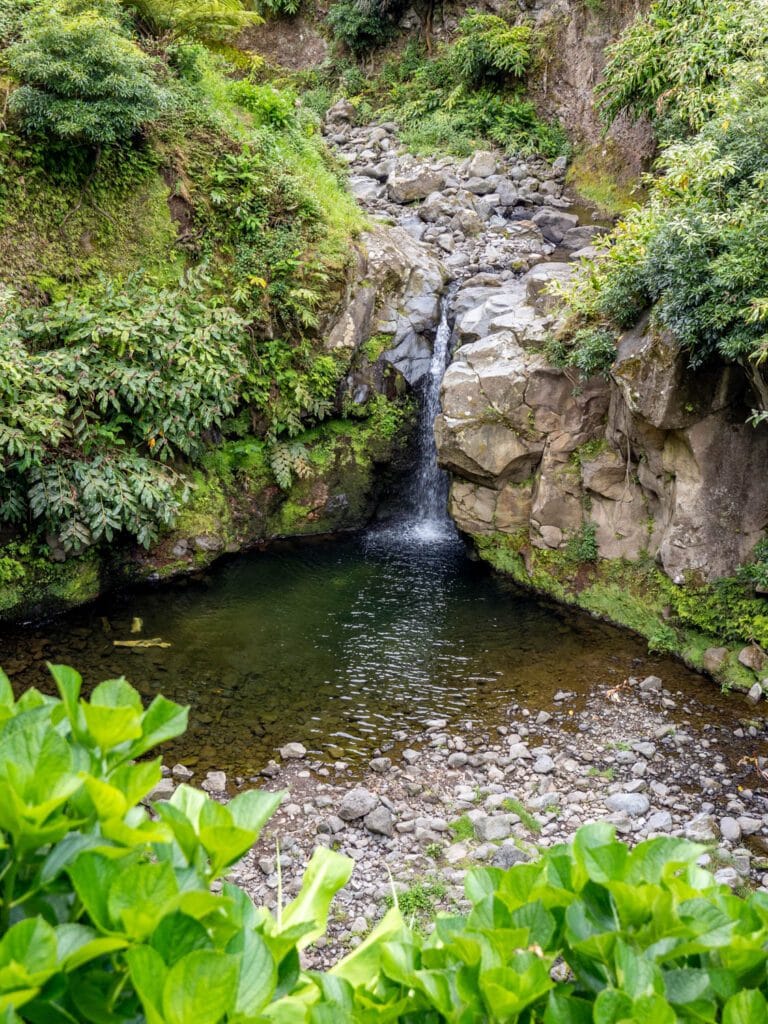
x=658, y=459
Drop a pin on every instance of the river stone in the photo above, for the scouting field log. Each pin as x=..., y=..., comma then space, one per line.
x=728, y=876
x=544, y=764
x=293, y=751
x=755, y=693
x=357, y=803
x=713, y=658
x=482, y=165
x=730, y=830
x=457, y=759
x=701, y=829
x=490, y=827
x=749, y=826
x=163, y=790
x=553, y=224
x=752, y=657
x=379, y=821
x=631, y=804
x=180, y=771
x=408, y=186
x=508, y=855
x=380, y=764
x=214, y=782
x=659, y=821
x=519, y=751
x=651, y=684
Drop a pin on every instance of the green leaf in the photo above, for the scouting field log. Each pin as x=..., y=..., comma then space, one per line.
x=565, y=1008
x=111, y=726
x=200, y=988
x=92, y=875
x=253, y=808
x=597, y=851
x=326, y=873
x=6, y=691
x=28, y=955
x=163, y=720
x=68, y=683
x=140, y=896
x=257, y=978
x=148, y=974
x=747, y=1007
x=178, y=934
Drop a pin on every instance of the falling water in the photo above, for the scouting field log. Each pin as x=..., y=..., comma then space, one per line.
x=429, y=514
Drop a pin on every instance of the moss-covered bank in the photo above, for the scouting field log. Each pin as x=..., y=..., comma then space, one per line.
x=636, y=595
x=235, y=504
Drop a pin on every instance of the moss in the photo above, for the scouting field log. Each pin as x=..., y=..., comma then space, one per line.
x=43, y=586
x=599, y=175
x=635, y=595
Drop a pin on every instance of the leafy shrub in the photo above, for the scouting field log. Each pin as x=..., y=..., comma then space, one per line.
x=362, y=25
x=671, y=62
x=582, y=546
x=108, y=913
x=280, y=7
x=271, y=107
x=82, y=79
x=97, y=392
x=213, y=21
x=488, y=47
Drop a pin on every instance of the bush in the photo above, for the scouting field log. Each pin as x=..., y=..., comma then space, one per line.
x=490, y=48
x=362, y=25
x=96, y=393
x=213, y=21
x=671, y=62
x=82, y=79
x=108, y=913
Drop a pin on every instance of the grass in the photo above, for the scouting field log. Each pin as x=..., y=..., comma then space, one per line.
x=462, y=828
x=602, y=773
x=419, y=901
x=525, y=816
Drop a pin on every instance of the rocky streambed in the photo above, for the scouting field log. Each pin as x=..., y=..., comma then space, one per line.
x=438, y=801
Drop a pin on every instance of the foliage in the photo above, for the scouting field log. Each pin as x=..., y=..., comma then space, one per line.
x=98, y=392
x=670, y=63
x=209, y=20
x=82, y=79
x=363, y=25
x=280, y=7
x=589, y=350
x=695, y=251
x=488, y=47
x=447, y=105
x=108, y=913
x=582, y=546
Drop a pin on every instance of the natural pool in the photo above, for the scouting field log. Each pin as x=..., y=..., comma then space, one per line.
x=340, y=644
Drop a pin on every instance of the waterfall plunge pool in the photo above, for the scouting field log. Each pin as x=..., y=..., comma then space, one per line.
x=345, y=646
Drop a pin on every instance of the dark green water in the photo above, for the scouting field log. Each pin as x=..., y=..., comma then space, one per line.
x=339, y=645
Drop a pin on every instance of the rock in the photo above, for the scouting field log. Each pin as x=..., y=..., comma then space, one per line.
x=579, y=237
x=554, y=223
x=342, y=112
x=379, y=821
x=714, y=658
x=214, y=782
x=293, y=751
x=749, y=826
x=410, y=756
x=163, y=790
x=519, y=751
x=728, y=876
x=659, y=821
x=632, y=804
x=651, y=684
x=730, y=830
x=701, y=829
x=482, y=165
x=752, y=657
x=209, y=543
x=457, y=759
x=410, y=185
x=539, y=279
x=490, y=827
x=180, y=771
x=380, y=764
x=755, y=693
x=544, y=765
x=508, y=855
x=357, y=803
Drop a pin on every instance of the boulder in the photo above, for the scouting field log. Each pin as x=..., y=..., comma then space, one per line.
x=379, y=821
x=634, y=805
x=714, y=658
x=538, y=280
x=408, y=185
x=554, y=223
x=357, y=803
x=293, y=751
x=482, y=164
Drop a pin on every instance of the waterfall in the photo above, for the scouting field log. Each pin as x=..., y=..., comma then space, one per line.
x=429, y=518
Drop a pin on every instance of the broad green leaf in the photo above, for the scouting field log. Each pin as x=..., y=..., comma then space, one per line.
x=64, y=852
x=257, y=978
x=601, y=856
x=28, y=950
x=178, y=934
x=108, y=801
x=117, y=693
x=136, y=780
x=163, y=720
x=68, y=683
x=326, y=873
x=747, y=1007
x=565, y=1008
x=200, y=988
x=253, y=808
x=141, y=895
x=636, y=975
x=77, y=945
x=6, y=691
x=363, y=963
x=612, y=1007
x=148, y=974
x=111, y=726
x=92, y=875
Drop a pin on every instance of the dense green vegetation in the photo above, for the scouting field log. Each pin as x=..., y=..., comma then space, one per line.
x=469, y=92
x=108, y=914
x=695, y=251
x=173, y=233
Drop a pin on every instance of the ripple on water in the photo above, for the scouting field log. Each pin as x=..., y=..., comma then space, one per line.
x=338, y=645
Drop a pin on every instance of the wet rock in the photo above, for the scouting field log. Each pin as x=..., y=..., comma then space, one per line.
x=632, y=804
x=214, y=782
x=380, y=764
x=410, y=756
x=357, y=803
x=755, y=693
x=209, y=543
x=554, y=223
x=180, y=771
x=293, y=751
x=651, y=684
x=379, y=821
